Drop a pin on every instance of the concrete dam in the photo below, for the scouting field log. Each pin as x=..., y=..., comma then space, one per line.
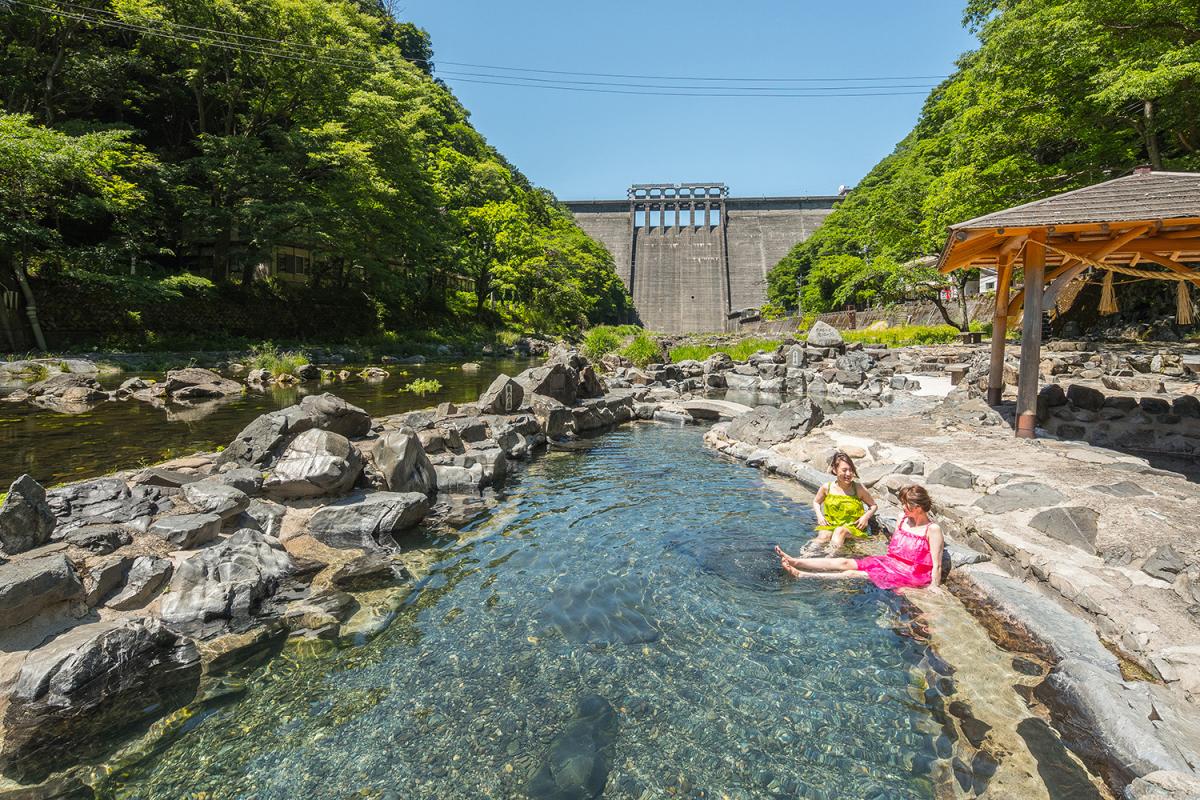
x=693, y=258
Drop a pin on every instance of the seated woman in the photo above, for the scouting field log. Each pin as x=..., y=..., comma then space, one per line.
x=844, y=507
x=914, y=556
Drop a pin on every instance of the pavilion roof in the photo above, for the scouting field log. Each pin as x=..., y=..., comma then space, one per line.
x=1139, y=218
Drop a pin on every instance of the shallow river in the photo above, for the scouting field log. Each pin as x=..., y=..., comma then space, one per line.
x=123, y=434
x=618, y=622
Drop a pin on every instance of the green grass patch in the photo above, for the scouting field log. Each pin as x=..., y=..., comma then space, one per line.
x=738, y=351
x=423, y=386
x=642, y=349
x=3, y=495
x=275, y=361
x=905, y=335
x=600, y=341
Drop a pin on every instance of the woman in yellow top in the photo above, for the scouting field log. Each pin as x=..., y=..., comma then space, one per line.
x=844, y=507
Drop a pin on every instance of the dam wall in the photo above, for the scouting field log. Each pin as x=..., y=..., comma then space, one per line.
x=692, y=257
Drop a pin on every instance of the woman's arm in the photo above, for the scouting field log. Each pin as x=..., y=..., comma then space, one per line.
x=871, y=507
x=818, y=507
x=936, y=543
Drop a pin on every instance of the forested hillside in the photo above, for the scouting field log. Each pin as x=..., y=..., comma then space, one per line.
x=300, y=142
x=1060, y=94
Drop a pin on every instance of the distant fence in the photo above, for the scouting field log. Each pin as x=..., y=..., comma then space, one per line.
x=979, y=307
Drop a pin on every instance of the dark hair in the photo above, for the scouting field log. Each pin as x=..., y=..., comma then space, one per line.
x=837, y=458
x=916, y=496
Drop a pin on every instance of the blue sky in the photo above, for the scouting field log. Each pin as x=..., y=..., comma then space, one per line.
x=584, y=144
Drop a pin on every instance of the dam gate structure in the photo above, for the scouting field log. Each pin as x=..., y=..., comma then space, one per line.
x=693, y=258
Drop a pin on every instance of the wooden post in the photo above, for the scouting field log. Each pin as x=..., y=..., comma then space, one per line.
x=1004, y=272
x=1031, y=335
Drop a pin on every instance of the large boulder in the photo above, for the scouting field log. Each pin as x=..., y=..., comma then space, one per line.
x=557, y=381
x=766, y=426
x=66, y=385
x=184, y=531
x=210, y=496
x=316, y=463
x=105, y=500
x=504, y=396
x=146, y=576
x=822, y=334
x=331, y=413
x=195, y=383
x=26, y=520
x=73, y=694
x=400, y=458
x=358, y=521
x=226, y=582
x=28, y=587
x=259, y=442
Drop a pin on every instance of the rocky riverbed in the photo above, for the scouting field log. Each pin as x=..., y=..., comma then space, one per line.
x=155, y=583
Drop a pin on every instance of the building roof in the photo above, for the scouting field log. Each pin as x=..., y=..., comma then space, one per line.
x=1145, y=195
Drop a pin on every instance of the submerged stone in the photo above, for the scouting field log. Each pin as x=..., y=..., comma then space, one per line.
x=577, y=764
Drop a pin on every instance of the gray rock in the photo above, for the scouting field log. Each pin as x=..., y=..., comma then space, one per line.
x=99, y=538
x=316, y=463
x=1164, y=563
x=75, y=692
x=1085, y=397
x=858, y=361
x=186, y=531
x=263, y=516
x=227, y=582
x=577, y=763
x=358, y=521
x=1074, y=525
x=453, y=479
x=195, y=383
x=26, y=520
x=959, y=555
x=822, y=334
x=1120, y=489
x=557, y=380
x=259, y=442
x=166, y=478
x=1129, y=726
x=368, y=571
x=1164, y=785
x=245, y=479
x=28, y=587
x=212, y=497
x=331, y=413
x=1045, y=624
x=308, y=372
x=63, y=383
x=147, y=575
x=589, y=383
x=400, y=458
x=1016, y=496
x=103, y=576
x=766, y=426
x=504, y=396
x=105, y=500
x=953, y=475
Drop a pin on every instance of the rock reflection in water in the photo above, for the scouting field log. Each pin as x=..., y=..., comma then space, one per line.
x=616, y=614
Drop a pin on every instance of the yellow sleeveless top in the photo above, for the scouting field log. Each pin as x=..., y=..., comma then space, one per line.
x=841, y=509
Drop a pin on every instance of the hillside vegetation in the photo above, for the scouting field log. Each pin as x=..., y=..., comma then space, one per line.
x=1060, y=94
x=141, y=139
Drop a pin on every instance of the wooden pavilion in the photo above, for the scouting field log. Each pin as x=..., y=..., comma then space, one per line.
x=1146, y=224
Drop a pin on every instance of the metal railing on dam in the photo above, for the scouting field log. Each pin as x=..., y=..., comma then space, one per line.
x=690, y=255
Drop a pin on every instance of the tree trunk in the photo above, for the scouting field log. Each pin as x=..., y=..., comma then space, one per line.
x=962, y=302
x=482, y=284
x=1151, y=135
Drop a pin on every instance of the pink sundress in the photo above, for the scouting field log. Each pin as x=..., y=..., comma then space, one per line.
x=907, y=563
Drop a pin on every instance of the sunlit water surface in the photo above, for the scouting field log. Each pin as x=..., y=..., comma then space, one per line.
x=638, y=574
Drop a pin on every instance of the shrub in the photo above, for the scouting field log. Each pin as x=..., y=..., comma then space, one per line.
x=738, y=351
x=600, y=341
x=423, y=386
x=266, y=356
x=904, y=335
x=642, y=349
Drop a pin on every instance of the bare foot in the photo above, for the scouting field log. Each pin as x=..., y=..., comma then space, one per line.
x=784, y=558
x=795, y=573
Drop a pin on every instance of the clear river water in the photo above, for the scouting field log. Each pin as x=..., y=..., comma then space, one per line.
x=617, y=625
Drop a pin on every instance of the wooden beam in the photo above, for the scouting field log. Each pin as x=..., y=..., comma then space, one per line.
x=1004, y=273
x=1148, y=245
x=1060, y=280
x=1192, y=274
x=1031, y=336
x=1073, y=227
x=1018, y=299
x=965, y=251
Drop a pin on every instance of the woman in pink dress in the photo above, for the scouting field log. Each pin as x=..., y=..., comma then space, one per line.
x=914, y=556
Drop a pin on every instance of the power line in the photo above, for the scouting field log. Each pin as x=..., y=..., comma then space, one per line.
x=83, y=9
x=668, y=86
x=681, y=94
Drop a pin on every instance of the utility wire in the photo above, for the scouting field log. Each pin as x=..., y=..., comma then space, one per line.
x=84, y=9
x=668, y=86
x=214, y=38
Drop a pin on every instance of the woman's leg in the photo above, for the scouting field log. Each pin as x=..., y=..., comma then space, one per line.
x=839, y=537
x=824, y=564
x=838, y=575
